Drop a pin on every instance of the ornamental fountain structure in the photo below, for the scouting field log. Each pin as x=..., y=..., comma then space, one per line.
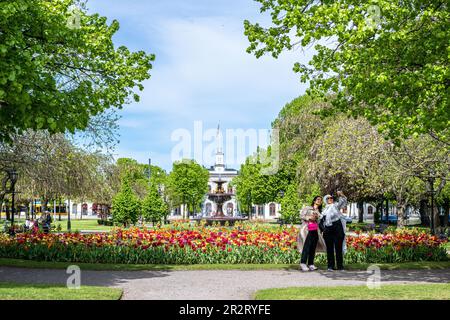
x=219, y=197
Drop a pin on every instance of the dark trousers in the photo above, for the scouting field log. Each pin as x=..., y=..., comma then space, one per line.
x=334, y=240
x=309, y=248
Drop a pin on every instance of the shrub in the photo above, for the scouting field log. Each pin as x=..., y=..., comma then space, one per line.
x=126, y=206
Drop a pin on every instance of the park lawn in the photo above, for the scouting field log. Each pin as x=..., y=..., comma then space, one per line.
x=386, y=292
x=76, y=224
x=447, y=245
x=82, y=225
x=13, y=291
x=425, y=265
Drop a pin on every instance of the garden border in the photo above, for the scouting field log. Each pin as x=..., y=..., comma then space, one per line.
x=17, y=263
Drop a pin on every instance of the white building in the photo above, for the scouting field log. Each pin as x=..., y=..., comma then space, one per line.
x=230, y=208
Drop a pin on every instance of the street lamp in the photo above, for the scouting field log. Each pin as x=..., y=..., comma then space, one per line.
x=13, y=176
x=281, y=196
x=431, y=179
x=249, y=199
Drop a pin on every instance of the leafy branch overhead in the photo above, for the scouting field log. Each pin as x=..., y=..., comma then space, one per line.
x=384, y=60
x=56, y=77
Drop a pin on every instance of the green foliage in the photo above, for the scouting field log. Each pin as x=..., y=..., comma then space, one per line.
x=137, y=174
x=187, y=184
x=377, y=216
x=341, y=153
x=126, y=206
x=388, y=61
x=291, y=205
x=57, y=77
x=307, y=198
x=254, y=186
x=153, y=206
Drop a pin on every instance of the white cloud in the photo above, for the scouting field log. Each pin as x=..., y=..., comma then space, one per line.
x=205, y=66
x=202, y=72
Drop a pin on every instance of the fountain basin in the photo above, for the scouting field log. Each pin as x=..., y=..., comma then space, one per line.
x=219, y=220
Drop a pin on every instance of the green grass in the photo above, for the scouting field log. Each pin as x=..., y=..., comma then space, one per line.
x=138, y=267
x=386, y=292
x=447, y=245
x=12, y=291
x=76, y=224
x=82, y=225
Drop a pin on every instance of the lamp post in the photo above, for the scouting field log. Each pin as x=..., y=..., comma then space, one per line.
x=149, y=171
x=69, y=222
x=249, y=199
x=13, y=176
x=281, y=195
x=431, y=180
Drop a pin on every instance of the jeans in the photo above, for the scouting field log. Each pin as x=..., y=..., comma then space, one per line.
x=309, y=248
x=334, y=239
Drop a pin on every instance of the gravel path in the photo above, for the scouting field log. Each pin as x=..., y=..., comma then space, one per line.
x=214, y=285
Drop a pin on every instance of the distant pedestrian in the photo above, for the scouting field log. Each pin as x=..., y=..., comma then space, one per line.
x=35, y=226
x=46, y=221
x=28, y=224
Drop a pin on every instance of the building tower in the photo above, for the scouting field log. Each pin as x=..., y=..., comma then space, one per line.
x=220, y=161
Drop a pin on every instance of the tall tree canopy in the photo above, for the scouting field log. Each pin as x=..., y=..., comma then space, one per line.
x=55, y=75
x=187, y=184
x=385, y=60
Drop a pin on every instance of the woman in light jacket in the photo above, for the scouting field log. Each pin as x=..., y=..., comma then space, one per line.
x=334, y=233
x=310, y=239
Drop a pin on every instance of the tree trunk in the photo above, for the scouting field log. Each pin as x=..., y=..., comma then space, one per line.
x=59, y=210
x=32, y=209
x=360, y=212
x=437, y=223
x=424, y=221
x=45, y=206
x=378, y=213
x=446, y=212
x=8, y=217
x=401, y=219
x=387, y=211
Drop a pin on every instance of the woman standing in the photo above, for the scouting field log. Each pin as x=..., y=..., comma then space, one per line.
x=334, y=233
x=310, y=240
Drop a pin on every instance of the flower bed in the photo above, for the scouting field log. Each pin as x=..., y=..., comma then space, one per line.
x=200, y=245
x=398, y=246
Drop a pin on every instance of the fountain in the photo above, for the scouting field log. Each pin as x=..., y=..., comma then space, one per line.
x=219, y=197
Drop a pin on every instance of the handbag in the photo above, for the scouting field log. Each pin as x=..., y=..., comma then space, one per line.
x=322, y=224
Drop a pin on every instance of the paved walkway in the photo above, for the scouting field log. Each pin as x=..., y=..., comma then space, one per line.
x=210, y=285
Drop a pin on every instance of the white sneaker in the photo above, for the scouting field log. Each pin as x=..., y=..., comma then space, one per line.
x=312, y=268
x=304, y=267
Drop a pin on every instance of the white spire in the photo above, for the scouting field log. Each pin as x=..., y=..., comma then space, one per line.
x=220, y=163
x=219, y=140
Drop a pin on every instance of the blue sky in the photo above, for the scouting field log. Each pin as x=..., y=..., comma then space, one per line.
x=201, y=73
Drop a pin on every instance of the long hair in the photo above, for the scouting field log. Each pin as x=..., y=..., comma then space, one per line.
x=314, y=201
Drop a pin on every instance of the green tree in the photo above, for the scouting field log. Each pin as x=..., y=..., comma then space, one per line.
x=351, y=155
x=255, y=186
x=291, y=205
x=187, y=184
x=244, y=183
x=153, y=206
x=57, y=76
x=385, y=60
x=299, y=127
x=126, y=206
